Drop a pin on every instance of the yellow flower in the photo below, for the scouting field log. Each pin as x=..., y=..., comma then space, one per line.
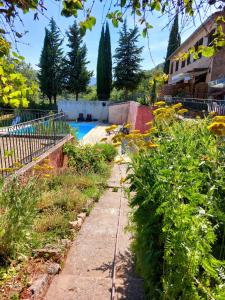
x=103, y=139
x=198, y=117
x=114, y=126
x=217, y=128
x=219, y=119
x=159, y=111
x=46, y=175
x=212, y=113
x=182, y=111
x=122, y=180
x=160, y=103
x=177, y=106
x=135, y=131
x=151, y=145
x=149, y=123
x=128, y=126
x=116, y=144
x=119, y=160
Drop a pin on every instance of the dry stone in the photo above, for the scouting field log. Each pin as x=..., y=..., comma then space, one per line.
x=38, y=285
x=53, y=268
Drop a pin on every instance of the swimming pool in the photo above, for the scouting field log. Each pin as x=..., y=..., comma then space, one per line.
x=82, y=128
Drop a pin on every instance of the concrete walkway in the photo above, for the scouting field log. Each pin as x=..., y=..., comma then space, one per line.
x=99, y=264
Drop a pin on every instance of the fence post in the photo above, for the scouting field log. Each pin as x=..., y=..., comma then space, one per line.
x=54, y=133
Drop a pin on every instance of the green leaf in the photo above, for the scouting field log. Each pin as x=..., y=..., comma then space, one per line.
x=208, y=51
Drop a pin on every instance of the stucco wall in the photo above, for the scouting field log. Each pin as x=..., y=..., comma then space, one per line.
x=131, y=112
x=72, y=109
x=118, y=113
x=144, y=115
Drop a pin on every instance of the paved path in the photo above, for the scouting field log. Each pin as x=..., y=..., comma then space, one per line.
x=89, y=271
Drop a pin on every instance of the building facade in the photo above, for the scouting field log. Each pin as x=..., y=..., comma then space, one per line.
x=198, y=78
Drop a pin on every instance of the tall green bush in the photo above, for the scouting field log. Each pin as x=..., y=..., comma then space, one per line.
x=17, y=204
x=179, y=213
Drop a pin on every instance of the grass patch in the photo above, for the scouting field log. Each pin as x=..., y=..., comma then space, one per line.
x=38, y=214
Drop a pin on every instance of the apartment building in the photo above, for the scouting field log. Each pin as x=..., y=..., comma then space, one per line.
x=198, y=78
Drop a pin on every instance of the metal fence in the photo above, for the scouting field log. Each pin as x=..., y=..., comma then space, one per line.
x=203, y=105
x=10, y=116
x=21, y=143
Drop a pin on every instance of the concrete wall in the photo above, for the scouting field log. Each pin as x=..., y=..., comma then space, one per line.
x=144, y=115
x=131, y=112
x=118, y=113
x=72, y=109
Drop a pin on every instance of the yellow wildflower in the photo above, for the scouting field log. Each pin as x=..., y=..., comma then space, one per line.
x=122, y=180
x=103, y=139
x=212, y=113
x=135, y=131
x=46, y=175
x=128, y=126
x=119, y=160
x=219, y=119
x=149, y=123
x=117, y=144
x=160, y=103
x=159, y=111
x=177, y=106
x=217, y=128
x=151, y=145
x=182, y=111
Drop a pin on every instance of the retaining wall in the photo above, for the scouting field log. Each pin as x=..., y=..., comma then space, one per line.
x=130, y=112
x=72, y=109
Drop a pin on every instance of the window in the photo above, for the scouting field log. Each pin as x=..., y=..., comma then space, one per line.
x=189, y=59
x=183, y=63
x=171, y=68
x=211, y=37
x=177, y=65
x=200, y=43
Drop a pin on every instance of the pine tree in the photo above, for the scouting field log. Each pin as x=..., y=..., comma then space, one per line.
x=76, y=73
x=127, y=59
x=173, y=44
x=50, y=74
x=101, y=67
x=108, y=63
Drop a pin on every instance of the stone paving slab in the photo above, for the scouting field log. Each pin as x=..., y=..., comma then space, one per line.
x=88, y=270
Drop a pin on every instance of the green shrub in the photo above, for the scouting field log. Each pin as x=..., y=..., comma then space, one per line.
x=179, y=214
x=88, y=158
x=108, y=151
x=18, y=205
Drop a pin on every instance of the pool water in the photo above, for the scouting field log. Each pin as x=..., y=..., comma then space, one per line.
x=82, y=128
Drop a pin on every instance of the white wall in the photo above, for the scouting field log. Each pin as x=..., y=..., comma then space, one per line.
x=98, y=109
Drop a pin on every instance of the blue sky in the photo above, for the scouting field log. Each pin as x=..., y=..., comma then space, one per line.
x=32, y=42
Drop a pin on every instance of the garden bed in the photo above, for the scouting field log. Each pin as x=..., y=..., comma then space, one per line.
x=42, y=218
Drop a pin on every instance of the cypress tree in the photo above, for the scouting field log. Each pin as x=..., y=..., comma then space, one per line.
x=101, y=67
x=108, y=63
x=44, y=75
x=50, y=74
x=173, y=44
x=127, y=59
x=76, y=73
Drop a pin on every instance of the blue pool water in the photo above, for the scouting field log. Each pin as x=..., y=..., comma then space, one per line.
x=82, y=128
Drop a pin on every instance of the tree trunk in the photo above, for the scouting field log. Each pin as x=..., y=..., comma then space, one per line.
x=50, y=100
x=126, y=95
x=55, y=99
x=77, y=94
